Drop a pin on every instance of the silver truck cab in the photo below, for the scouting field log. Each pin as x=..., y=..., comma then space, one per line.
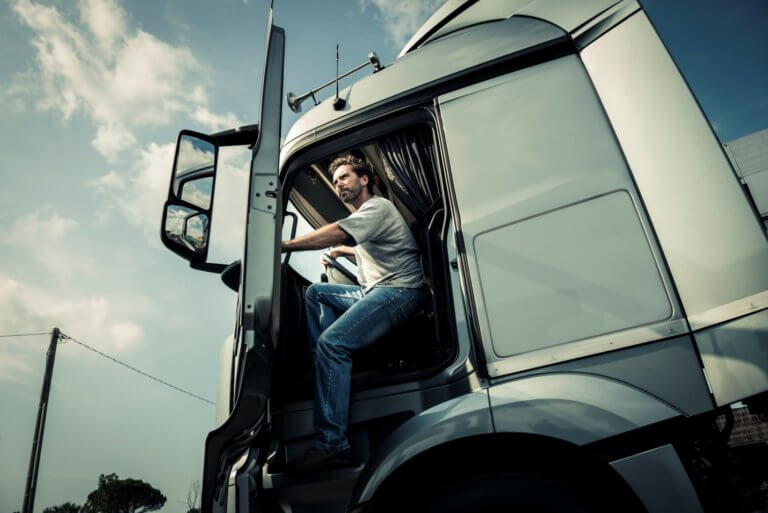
x=598, y=278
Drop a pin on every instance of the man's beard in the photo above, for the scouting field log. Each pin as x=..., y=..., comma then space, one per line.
x=351, y=195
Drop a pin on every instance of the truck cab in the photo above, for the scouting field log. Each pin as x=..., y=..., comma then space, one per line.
x=597, y=275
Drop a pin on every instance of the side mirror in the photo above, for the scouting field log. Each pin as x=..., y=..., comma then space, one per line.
x=186, y=223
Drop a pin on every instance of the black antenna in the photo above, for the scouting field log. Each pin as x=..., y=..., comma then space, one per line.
x=338, y=103
x=294, y=102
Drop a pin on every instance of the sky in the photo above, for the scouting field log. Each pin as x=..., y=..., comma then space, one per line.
x=721, y=48
x=92, y=96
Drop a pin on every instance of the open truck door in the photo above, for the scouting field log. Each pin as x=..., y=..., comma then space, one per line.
x=185, y=230
x=251, y=382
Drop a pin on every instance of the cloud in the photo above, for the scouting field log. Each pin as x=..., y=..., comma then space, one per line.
x=112, y=139
x=216, y=122
x=111, y=181
x=105, y=20
x=140, y=193
x=15, y=362
x=94, y=319
x=121, y=77
x=401, y=18
x=38, y=225
x=43, y=236
x=145, y=189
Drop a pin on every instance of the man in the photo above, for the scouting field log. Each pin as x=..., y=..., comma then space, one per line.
x=342, y=319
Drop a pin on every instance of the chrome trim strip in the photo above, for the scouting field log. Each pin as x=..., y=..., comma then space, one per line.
x=584, y=35
x=588, y=347
x=730, y=311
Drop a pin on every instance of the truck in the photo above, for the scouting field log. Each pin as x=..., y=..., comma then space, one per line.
x=597, y=275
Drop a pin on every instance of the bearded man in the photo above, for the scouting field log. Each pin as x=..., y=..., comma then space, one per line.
x=343, y=319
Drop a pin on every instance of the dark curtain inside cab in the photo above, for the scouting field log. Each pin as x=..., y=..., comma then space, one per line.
x=410, y=162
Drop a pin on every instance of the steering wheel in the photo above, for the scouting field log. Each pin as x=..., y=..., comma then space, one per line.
x=335, y=264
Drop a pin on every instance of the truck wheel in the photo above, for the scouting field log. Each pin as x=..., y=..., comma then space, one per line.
x=507, y=491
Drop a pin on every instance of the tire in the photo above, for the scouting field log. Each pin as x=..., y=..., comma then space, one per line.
x=506, y=492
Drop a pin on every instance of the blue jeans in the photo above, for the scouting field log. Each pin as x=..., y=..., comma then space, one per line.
x=342, y=320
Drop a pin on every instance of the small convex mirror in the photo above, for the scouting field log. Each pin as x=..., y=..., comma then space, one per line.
x=187, y=227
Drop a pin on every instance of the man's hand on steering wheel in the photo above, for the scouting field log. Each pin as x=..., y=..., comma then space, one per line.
x=335, y=253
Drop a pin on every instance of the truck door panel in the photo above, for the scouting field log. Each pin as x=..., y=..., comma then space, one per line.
x=254, y=352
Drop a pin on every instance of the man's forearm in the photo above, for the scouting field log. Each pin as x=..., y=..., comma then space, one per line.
x=342, y=251
x=324, y=237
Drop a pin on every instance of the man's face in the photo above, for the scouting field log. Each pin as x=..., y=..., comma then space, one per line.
x=348, y=184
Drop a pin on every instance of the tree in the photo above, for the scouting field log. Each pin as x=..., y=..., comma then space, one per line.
x=193, y=497
x=115, y=495
x=67, y=507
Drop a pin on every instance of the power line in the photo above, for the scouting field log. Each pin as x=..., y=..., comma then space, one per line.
x=25, y=334
x=67, y=337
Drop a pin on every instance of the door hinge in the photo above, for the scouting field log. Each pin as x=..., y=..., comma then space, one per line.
x=265, y=193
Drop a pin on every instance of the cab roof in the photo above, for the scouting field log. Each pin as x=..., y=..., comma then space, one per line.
x=460, y=35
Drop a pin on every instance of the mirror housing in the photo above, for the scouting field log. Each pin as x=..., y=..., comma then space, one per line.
x=186, y=223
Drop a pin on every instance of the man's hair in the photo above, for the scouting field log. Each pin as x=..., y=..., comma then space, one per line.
x=359, y=166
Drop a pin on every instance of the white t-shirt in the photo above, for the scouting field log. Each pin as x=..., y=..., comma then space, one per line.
x=386, y=252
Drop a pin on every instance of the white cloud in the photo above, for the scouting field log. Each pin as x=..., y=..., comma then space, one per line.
x=141, y=192
x=401, y=18
x=143, y=198
x=112, y=139
x=112, y=181
x=216, y=122
x=119, y=76
x=93, y=319
x=15, y=362
x=36, y=226
x=43, y=235
x=105, y=20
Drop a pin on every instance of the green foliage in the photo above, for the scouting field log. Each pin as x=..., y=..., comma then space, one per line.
x=115, y=495
x=67, y=507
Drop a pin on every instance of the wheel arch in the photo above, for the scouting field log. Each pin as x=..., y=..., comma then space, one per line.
x=501, y=452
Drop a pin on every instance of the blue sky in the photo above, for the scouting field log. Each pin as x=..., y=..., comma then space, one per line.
x=721, y=48
x=92, y=95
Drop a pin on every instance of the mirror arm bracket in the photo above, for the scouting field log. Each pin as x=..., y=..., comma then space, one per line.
x=245, y=135
x=209, y=268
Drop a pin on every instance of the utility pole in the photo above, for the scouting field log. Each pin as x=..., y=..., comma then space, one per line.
x=37, y=442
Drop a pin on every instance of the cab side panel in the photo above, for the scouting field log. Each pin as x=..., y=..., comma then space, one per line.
x=560, y=254
x=713, y=241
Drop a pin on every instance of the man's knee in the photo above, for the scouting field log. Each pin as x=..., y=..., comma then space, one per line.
x=313, y=293
x=330, y=346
